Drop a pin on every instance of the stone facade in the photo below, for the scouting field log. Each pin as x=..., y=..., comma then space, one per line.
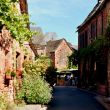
x=57, y=50
x=61, y=55
x=94, y=26
x=12, y=56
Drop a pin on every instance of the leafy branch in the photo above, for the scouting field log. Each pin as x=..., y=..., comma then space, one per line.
x=15, y=22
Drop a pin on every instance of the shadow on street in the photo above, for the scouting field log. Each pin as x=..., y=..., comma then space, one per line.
x=71, y=98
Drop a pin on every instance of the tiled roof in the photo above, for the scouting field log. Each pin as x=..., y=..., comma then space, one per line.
x=73, y=47
x=40, y=47
x=53, y=45
x=93, y=12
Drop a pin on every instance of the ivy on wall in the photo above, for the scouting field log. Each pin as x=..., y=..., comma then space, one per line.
x=15, y=22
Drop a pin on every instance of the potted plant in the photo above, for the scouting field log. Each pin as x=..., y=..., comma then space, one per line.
x=8, y=74
x=13, y=74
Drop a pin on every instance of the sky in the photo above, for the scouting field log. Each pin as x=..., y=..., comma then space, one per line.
x=60, y=16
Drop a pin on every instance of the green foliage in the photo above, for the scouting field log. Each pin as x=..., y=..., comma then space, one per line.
x=94, y=48
x=3, y=102
x=39, y=66
x=35, y=90
x=8, y=72
x=14, y=21
x=73, y=59
x=75, y=66
x=11, y=73
x=51, y=75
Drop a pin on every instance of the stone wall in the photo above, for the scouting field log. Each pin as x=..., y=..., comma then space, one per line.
x=61, y=55
x=11, y=58
x=99, y=22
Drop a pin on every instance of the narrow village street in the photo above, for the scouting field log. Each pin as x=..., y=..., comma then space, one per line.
x=71, y=98
x=54, y=55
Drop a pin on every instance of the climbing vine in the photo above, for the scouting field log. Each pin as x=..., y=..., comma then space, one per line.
x=95, y=49
x=73, y=60
x=15, y=22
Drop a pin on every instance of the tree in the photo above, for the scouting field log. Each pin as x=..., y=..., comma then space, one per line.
x=51, y=75
x=39, y=66
x=38, y=38
x=73, y=59
x=50, y=36
x=42, y=38
x=35, y=89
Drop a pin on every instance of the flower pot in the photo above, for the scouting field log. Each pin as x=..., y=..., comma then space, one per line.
x=7, y=49
x=19, y=72
x=8, y=77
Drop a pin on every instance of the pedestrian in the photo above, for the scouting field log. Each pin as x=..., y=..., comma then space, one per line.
x=76, y=80
x=73, y=82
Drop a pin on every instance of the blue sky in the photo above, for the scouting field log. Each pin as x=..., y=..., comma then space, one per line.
x=60, y=16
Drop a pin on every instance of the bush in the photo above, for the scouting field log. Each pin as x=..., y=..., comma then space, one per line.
x=51, y=75
x=39, y=66
x=35, y=90
x=4, y=103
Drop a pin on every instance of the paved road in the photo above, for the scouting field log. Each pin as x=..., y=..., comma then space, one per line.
x=69, y=98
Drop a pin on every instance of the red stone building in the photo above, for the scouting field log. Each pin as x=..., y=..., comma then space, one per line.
x=57, y=50
x=39, y=50
x=94, y=26
x=12, y=56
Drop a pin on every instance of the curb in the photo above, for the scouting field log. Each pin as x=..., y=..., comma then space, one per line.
x=101, y=101
x=32, y=107
x=99, y=98
x=88, y=91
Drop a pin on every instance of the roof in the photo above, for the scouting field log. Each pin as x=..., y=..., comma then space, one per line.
x=34, y=48
x=53, y=45
x=97, y=7
x=74, y=47
x=40, y=47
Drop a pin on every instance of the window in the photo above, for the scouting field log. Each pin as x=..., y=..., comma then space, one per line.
x=81, y=40
x=86, y=39
x=93, y=30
